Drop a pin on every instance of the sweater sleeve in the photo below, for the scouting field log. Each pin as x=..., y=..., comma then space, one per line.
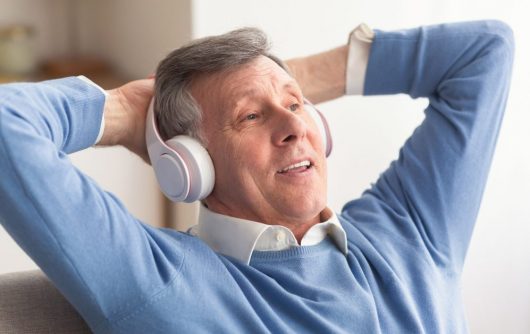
x=431, y=194
x=102, y=259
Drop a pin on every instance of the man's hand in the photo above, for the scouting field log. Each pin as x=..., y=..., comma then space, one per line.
x=125, y=113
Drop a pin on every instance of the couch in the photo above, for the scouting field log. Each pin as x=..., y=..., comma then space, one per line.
x=29, y=303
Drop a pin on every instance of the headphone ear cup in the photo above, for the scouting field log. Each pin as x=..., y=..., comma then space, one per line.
x=322, y=125
x=183, y=167
x=199, y=170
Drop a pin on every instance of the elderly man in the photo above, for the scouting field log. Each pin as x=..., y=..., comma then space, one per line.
x=266, y=255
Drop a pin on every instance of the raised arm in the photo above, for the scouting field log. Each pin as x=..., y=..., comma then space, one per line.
x=331, y=74
x=82, y=237
x=125, y=114
x=321, y=76
x=430, y=196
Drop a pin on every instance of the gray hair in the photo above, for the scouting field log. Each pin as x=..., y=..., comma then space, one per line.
x=176, y=110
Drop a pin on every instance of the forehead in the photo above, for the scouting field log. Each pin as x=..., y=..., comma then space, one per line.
x=263, y=74
x=224, y=90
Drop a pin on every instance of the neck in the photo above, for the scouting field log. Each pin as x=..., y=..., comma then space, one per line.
x=298, y=227
x=299, y=230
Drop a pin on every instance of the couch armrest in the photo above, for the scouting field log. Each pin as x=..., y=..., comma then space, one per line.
x=29, y=303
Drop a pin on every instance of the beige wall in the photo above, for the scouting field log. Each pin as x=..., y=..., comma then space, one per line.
x=46, y=16
x=133, y=36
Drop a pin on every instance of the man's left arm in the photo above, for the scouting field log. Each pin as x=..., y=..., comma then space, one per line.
x=432, y=192
x=321, y=76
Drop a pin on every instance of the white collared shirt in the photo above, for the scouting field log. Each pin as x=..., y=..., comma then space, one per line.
x=102, y=125
x=359, y=45
x=238, y=238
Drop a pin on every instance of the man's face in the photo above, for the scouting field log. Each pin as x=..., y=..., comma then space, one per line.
x=267, y=152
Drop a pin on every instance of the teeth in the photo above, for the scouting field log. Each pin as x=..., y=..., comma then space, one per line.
x=305, y=163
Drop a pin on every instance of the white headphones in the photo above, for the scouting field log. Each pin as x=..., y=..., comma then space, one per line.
x=183, y=167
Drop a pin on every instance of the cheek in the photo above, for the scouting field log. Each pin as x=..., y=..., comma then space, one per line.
x=238, y=160
x=249, y=156
x=313, y=134
x=254, y=161
x=317, y=143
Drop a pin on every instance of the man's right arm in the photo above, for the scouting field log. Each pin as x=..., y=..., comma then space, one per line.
x=125, y=113
x=82, y=237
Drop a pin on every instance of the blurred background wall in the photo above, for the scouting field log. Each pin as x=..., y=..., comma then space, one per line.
x=131, y=36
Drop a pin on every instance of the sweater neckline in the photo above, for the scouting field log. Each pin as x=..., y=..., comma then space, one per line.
x=294, y=252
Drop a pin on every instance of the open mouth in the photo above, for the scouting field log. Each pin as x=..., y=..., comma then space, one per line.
x=297, y=167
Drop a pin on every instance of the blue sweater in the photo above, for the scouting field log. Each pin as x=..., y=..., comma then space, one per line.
x=407, y=235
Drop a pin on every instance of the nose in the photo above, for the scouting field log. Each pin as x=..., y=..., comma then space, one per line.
x=289, y=127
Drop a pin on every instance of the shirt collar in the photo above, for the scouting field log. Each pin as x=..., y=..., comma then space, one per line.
x=238, y=238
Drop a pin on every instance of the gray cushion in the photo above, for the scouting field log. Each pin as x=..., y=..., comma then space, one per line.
x=29, y=303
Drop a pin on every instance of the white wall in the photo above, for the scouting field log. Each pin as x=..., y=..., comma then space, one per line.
x=369, y=131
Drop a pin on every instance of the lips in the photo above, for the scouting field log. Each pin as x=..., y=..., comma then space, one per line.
x=296, y=167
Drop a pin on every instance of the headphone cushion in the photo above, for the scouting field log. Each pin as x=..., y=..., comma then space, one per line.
x=199, y=170
x=322, y=126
